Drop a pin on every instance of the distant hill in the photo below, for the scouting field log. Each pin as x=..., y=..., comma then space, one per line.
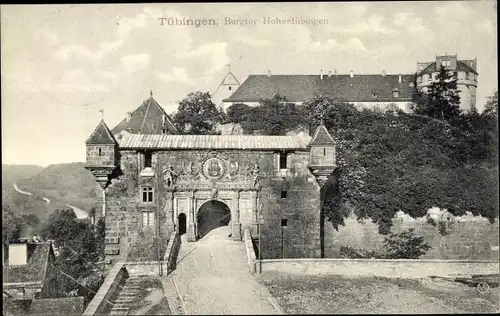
x=14, y=173
x=68, y=183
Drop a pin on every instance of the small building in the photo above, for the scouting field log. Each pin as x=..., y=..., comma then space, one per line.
x=28, y=271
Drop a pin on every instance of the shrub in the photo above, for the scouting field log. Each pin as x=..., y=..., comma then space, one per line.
x=405, y=245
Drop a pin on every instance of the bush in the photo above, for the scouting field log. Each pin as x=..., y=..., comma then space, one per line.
x=405, y=245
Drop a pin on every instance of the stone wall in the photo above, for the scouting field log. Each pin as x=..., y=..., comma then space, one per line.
x=397, y=268
x=251, y=259
x=466, y=237
x=101, y=304
x=172, y=251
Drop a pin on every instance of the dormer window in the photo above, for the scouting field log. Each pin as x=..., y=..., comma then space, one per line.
x=395, y=93
x=374, y=95
x=164, y=119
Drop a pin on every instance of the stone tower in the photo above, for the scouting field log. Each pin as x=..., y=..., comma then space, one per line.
x=465, y=71
x=322, y=160
x=102, y=154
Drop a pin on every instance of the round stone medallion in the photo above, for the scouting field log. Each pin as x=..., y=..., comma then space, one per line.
x=213, y=168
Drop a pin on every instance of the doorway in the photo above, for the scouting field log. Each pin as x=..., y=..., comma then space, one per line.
x=181, y=222
x=211, y=215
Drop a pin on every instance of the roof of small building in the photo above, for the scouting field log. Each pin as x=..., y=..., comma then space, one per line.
x=63, y=306
x=322, y=137
x=101, y=135
x=461, y=66
x=298, y=88
x=147, y=118
x=35, y=268
x=242, y=142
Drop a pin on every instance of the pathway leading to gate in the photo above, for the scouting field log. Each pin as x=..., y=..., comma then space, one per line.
x=212, y=278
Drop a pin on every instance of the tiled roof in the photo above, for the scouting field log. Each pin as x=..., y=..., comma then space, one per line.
x=130, y=141
x=101, y=135
x=298, y=88
x=322, y=137
x=34, y=270
x=147, y=118
x=460, y=67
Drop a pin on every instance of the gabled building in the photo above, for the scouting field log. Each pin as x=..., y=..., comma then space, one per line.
x=227, y=86
x=361, y=90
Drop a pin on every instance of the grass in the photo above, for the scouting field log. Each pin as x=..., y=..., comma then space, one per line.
x=336, y=294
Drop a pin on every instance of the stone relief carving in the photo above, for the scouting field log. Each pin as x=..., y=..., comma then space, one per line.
x=169, y=175
x=233, y=170
x=214, y=168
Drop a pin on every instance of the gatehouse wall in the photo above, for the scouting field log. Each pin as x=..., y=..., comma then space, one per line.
x=237, y=188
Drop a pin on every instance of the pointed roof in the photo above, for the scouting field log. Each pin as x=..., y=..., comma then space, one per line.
x=101, y=135
x=321, y=137
x=147, y=119
x=229, y=80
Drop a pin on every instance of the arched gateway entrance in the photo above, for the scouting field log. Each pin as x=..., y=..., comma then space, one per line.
x=212, y=214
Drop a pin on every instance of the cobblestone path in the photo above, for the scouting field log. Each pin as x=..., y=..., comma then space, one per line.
x=212, y=278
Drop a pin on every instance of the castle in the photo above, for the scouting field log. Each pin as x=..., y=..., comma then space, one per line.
x=156, y=182
x=364, y=91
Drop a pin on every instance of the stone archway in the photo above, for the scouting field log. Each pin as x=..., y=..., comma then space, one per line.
x=212, y=214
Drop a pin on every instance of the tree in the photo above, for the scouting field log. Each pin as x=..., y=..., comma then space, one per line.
x=11, y=225
x=491, y=106
x=405, y=245
x=197, y=115
x=238, y=112
x=80, y=247
x=441, y=100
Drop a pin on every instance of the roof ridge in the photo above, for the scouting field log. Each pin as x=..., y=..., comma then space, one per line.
x=146, y=114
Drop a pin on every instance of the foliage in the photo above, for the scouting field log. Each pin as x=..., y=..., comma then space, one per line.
x=197, y=115
x=404, y=245
x=81, y=246
x=11, y=225
x=441, y=101
x=349, y=252
x=273, y=116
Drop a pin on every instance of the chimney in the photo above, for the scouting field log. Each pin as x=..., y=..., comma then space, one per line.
x=18, y=254
x=321, y=74
x=383, y=73
x=335, y=71
x=129, y=116
x=269, y=73
x=329, y=73
x=351, y=73
x=399, y=78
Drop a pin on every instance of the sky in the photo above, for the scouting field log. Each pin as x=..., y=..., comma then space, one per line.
x=61, y=64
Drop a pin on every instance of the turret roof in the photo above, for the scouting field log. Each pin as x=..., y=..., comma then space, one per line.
x=101, y=135
x=321, y=137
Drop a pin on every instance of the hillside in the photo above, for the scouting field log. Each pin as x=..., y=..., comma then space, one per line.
x=68, y=183
x=14, y=173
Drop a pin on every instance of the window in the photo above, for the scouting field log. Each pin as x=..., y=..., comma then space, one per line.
x=100, y=151
x=148, y=219
x=283, y=160
x=284, y=222
x=164, y=131
x=455, y=75
x=324, y=151
x=466, y=76
x=148, y=159
x=374, y=95
x=147, y=194
x=283, y=194
x=230, y=88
